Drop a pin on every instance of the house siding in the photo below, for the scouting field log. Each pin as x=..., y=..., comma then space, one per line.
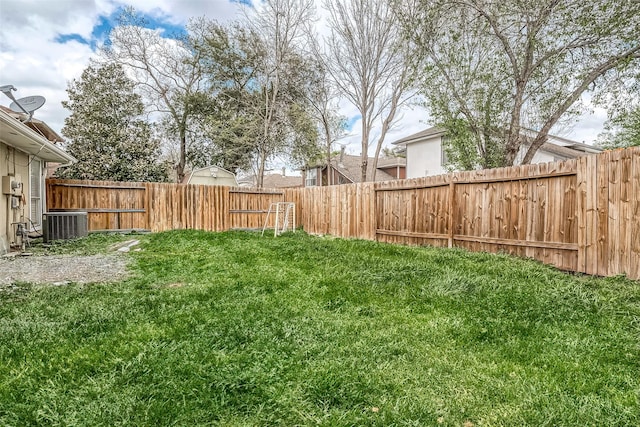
x=205, y=177
x=16, y=162
x=424, y=158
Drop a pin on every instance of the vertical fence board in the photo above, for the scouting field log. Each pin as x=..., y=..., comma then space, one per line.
x=634, y=252
x=611, y=261
x=602, y=202
x=624, y=213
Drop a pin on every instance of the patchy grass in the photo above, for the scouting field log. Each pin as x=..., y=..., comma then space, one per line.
x=93, y=244
x=234, y=329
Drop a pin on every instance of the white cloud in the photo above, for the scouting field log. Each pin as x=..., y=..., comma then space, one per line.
x=36, y=64
x=180, y=11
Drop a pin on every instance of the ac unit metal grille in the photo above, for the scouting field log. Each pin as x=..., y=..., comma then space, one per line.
x=64, y=225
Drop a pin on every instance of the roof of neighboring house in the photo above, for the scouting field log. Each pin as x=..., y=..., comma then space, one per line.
x=559, y=150
x=388, y=162
x=589, y=149
x=272, y=180
x=566, y=148
x=23, y=137
x=432, y=131
x=277, y=180
x=351, y=168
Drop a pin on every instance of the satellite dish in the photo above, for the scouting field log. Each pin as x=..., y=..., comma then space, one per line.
x=28, y=104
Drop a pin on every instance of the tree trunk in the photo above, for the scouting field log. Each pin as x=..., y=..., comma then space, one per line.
x=386, y=124
x=364, y=146
x=327, y=134
x=183, y=156
x=261, y=166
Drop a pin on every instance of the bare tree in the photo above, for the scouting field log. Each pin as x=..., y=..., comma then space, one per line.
x=322, y=97
x=167, y=74
x=367, y=60
x=280, y=26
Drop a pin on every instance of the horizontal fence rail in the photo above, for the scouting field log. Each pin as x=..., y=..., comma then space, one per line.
x=581, y=215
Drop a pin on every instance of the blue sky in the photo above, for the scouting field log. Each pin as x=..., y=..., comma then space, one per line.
x=104, y=24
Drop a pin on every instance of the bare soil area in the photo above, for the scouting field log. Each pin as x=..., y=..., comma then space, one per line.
x=62, y=269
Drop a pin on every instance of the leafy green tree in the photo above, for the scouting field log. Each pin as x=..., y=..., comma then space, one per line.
x=280, y=29
x=256, y=77
x=512, y=69
x=228, y=128
x=107, y=134
x=622, y=131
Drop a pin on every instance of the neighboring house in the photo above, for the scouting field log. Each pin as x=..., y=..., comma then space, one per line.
x=347, y=169
x=425, y=154
x=212, y=175
x=25, y=150
x=273, y=180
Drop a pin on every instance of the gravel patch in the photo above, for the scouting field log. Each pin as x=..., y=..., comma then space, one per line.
x=62, y=269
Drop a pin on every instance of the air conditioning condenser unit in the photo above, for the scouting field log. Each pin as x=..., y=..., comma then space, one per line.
x=64, y=225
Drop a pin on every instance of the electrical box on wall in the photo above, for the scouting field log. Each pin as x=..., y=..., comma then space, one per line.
x=12, y=185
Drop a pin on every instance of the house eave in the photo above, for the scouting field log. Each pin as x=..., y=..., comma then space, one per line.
x=420, y=136
x=15, y=134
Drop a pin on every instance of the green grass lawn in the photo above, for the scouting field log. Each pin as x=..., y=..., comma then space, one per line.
x=235, y=329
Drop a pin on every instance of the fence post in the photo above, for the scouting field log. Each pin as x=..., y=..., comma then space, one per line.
x=373, y=218
x=147, y=205
x=452, y=209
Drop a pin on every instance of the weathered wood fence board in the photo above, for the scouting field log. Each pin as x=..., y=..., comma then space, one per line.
x=110, y=205
x=579, y=215
x=249, y=208
x=161, y=207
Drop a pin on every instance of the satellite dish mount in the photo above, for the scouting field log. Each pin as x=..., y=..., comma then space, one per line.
x=25, y=105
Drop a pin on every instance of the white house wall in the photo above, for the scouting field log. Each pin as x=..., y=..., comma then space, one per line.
x=539, y=157
x=424, y=158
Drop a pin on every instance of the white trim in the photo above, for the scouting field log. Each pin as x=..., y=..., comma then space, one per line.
x=16, y=134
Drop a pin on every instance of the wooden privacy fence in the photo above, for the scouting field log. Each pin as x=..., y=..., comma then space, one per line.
x=580, y=215
x=161, y=207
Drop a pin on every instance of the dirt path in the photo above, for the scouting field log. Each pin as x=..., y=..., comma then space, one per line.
x=63, y=269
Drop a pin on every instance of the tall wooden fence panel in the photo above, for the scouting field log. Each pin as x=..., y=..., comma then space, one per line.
x=161, y=206
x=248, y=208
x=109, y=205
x=338, y=210
x=528, y=211
x=199, y=207
x=415, y=212
x=609, y=213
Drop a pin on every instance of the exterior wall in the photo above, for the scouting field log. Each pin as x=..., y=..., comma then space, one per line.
x=15, y=162
x=203, y=177
x=424, y=158
x=543, y=157
x=539, y=157
x=398, y=172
